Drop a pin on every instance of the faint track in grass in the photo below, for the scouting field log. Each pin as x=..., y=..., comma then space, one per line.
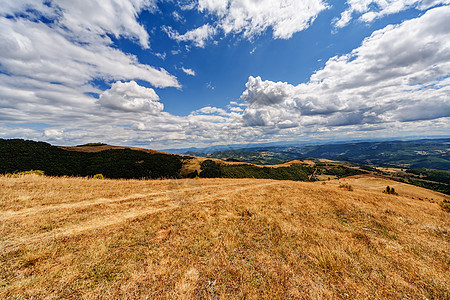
x=5, y=215
x=117, y=218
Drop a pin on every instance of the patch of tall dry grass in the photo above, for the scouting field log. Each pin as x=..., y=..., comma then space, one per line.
x=219, y=238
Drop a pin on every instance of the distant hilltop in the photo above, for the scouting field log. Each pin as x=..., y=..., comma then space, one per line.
x=116, y=162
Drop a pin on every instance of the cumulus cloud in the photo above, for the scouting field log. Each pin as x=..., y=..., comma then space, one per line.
x=24, y=99
x=87, y=19
x=131, y=97
x=265, y=93
x=369, y=10
x=36, y=50
x=48, y=70
x=188, y=71
x=399, y=73
x=250, y=18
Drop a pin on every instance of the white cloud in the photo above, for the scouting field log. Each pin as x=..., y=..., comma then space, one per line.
x=27, y=7
x=86, y=19
x=38, y=51
x=131, y=97
x=369, y=10
x=250, y=18
x=48, y=70
x=254, y=17
x=188, y=71
x=425, y=4
x=235, y=109
x=208, y=110
x=197, y=36
x=399, y=73
x=178, y=17
x=265, y=93
x=53, y=134
x=161, y=55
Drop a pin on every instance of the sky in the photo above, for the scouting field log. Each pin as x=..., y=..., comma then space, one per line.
x=196, y=73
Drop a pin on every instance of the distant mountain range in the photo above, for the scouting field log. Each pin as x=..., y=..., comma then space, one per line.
x=311, y=142
x=425, y=153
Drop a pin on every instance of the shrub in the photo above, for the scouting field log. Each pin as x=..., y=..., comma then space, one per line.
x=98, y=176
x=445, y=205
x=35, y=172
x=294, y=172
x=346, y=186
x=390, y=191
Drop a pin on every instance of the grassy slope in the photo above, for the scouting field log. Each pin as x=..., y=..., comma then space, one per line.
x=221, y=238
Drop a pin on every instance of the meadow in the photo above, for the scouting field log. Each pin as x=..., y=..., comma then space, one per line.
x=84, y=238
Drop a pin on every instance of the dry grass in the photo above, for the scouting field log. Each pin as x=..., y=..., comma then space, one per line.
x=324, y=177
x=376, y=183
x=191, y=165
x=220, y=239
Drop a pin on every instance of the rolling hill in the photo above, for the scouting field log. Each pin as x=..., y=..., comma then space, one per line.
x=72, y=238
x=113, y=162
x=425, y=153
x=137, y=163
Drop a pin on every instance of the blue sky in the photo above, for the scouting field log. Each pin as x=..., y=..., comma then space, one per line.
x=165, y=74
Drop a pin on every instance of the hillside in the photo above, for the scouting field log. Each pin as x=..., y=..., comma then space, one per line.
x=111, y=161
x=431, y=154
x=137, y=163
x=77, y=238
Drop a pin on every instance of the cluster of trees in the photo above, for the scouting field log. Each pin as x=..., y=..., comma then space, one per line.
x=339, y=171
x=437, y=180
x=435, y=186
x=210, y=169
x=390, y=190
x=432, y=175
x=20, y=155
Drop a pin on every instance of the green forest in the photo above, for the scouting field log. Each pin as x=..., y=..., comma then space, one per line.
x=20, y=155
x=297, y=172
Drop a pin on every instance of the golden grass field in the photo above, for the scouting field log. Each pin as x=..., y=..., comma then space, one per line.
x=221, y=239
